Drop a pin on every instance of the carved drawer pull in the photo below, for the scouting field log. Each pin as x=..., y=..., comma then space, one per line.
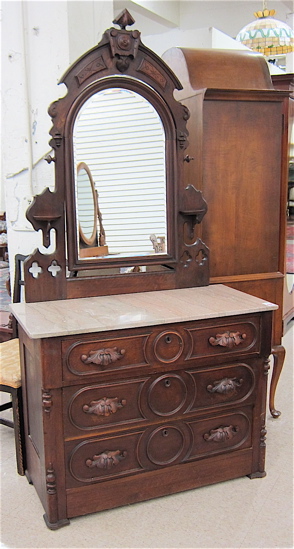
x=104, y=406
x=227, y=339
x=103, y=357
x=221, y=434
x=225, y=386
x=107, y=459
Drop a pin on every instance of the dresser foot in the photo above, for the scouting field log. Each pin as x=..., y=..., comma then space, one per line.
x=55, y=525
x=257, y=474
x=28, y=477
x=278, y=352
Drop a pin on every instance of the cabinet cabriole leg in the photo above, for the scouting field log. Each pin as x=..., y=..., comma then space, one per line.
x=278, y=352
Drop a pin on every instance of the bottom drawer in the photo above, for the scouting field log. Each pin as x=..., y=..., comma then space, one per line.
x=160, y=482
x=156, y=447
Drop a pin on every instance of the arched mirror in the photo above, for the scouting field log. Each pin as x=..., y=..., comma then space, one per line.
x=120, y=137
x=123, y=216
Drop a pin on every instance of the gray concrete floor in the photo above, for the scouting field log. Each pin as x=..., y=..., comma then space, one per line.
x=241, y=513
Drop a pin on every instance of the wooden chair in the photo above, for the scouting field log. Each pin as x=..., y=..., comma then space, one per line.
x=10, y=374
x=10, y=382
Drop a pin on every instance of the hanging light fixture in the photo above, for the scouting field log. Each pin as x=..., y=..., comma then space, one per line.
x=267, y=35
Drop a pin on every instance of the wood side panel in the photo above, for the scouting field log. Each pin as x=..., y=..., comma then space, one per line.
x=241, y=183
x=32, y=410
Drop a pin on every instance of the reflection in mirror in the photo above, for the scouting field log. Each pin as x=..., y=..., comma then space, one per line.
x=120, y=136
x=86, y=205
x=87, y=212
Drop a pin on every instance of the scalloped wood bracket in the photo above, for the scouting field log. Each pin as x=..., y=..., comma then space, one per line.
x=44, y=213
x=192, y=206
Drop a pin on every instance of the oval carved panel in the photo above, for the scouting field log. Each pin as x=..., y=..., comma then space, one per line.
x=168, y=346
x=165, y=445
x=167, y=395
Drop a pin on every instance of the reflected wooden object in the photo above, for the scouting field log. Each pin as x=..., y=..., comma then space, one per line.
x=88, y=215
x=96, y=251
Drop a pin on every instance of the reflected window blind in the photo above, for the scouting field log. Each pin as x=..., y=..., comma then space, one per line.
x=120, y=136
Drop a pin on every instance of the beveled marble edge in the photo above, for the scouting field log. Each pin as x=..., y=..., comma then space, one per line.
x=99, y=314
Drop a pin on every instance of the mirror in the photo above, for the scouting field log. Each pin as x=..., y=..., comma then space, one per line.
x=119, y=136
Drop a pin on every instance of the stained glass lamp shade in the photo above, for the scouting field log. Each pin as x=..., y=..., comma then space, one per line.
x=267, y=35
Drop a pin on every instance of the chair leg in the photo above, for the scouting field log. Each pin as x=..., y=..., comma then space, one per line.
x=18, y=429
x=7, y=422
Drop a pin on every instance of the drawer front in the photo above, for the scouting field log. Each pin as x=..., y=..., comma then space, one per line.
x=219, y=386
x=84, y=358
x=102, y=458
x=167, y=444
x=167, y=346
x=94, y=407
x=221, y=433
x=225, y=339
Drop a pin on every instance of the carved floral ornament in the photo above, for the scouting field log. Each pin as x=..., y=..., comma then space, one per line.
x=227, y=339
x=105, y=406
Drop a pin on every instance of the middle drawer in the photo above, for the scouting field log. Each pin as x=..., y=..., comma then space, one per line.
x=99, y=406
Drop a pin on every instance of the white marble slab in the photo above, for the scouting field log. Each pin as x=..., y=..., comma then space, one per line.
x=98, y=314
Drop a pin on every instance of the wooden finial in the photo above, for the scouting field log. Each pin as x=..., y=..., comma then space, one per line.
x=124, y=19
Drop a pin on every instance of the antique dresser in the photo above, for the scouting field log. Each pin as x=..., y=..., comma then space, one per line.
x=139, y=378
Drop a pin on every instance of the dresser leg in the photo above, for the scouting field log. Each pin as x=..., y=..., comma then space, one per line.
x=278, y=352
x=257, y=474
x=55, y=525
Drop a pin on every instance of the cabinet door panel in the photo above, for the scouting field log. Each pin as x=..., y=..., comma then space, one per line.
x=242, y=185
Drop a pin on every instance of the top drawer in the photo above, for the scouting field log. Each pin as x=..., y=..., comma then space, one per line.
x=144, y=350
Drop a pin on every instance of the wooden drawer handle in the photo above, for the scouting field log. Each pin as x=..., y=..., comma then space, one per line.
x=227, y=339
x=103, y=357
x=225, y=386
x=221, y=434
x=104, y=406
x=107, y=459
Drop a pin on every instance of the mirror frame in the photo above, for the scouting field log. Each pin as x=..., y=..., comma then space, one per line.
x=76, y=264
x=120, y=59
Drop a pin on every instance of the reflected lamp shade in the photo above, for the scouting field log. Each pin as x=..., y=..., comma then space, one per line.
x=267, y=35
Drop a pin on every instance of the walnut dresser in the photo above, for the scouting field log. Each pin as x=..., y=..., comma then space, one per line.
x=131, y=397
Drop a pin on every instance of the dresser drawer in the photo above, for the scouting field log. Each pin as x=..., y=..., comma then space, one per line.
x=221, y=433
x=102, y=458
x=155, y=447
x=167, y=346
x=99, y=406
x=95, y=406
x=182, y=441
x=225, y=338
x=87, y=356
x=215, y=387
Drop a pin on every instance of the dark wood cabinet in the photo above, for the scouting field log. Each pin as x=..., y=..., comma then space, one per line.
x=238, y=134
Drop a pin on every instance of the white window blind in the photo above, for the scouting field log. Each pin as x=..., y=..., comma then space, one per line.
x=120, y=136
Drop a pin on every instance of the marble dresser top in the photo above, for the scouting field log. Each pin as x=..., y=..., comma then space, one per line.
x=99, y=314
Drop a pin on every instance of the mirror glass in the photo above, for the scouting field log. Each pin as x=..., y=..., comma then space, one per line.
x=120, y=137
